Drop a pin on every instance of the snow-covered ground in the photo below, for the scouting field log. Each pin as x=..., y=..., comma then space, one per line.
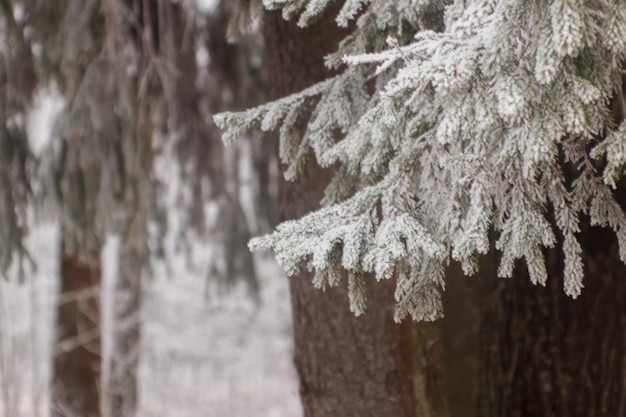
x=223, y=357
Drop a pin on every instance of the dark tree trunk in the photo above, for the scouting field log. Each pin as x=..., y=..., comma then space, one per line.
x=76, y=386
x=544, y=354
x=459, y=341
x=347, y=366
x=146, y=29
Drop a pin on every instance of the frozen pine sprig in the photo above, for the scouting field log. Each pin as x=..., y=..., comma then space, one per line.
x=312, y=10
x=474, y=235
x=351, y=217
x=566, y=218
x=357, y=294
x=614, y=36
x=335, y=101
x=269, y=116
x=613, y=148
x=568, y=18
x=349, y=11
x=524, y=232
x=451, y=129
x=419, y=295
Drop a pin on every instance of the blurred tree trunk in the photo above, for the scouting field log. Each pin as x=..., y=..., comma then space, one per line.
x=77, y=362
x=347, y=366
x=76, y=387
x=122, y=387
x=141, y=30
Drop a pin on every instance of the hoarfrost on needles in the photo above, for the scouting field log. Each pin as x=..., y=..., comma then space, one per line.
x=453, y=120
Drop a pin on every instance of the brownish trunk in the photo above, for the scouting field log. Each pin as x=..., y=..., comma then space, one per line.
x=544, y=354
x=77, y=357
x=347, y=366
x=459, y=341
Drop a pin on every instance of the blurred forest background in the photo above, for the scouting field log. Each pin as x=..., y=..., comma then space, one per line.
x=128, y=288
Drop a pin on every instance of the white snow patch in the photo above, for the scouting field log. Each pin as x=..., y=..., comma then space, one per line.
x=220, y=357
x=207, y=6
x=110, y=269
x=42, y=118
x=27, y=317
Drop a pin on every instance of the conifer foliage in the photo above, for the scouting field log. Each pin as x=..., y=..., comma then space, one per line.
x=452, y=122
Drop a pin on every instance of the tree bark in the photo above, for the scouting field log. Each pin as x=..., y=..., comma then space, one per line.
x=459, y=341
x=544, y=354
x=76, y=387
x=347, y=366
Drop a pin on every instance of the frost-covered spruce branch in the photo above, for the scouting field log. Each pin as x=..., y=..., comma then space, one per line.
x=357, y=237
x=464, y=135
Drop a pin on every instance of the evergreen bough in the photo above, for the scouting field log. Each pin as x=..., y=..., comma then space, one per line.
x=478, y=108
